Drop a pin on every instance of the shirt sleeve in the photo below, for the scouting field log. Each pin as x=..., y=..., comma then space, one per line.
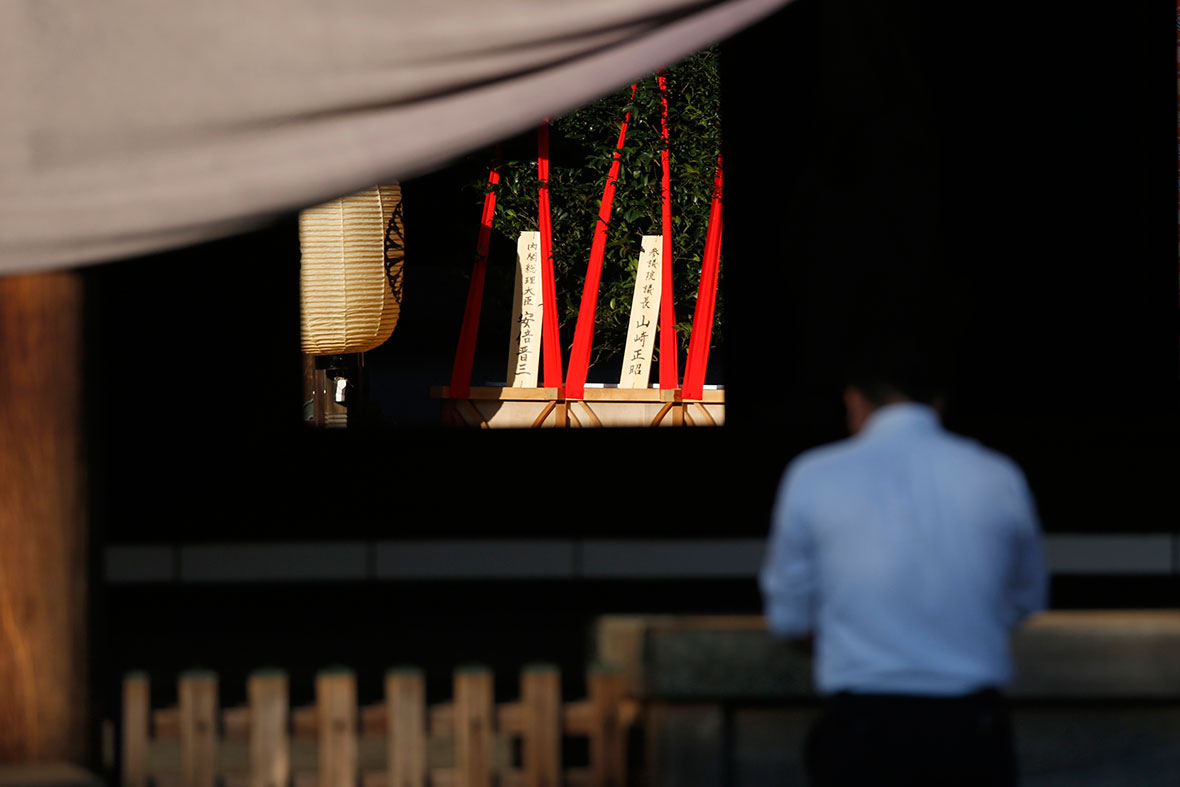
x=788, y=576
x=1028, y=584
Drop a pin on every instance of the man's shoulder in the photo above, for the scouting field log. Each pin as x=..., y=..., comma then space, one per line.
x=985, y=458
x=830, y=457
x=814, y=470
x=837, y=458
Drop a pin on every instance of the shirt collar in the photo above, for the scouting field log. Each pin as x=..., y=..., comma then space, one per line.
x=901, y=416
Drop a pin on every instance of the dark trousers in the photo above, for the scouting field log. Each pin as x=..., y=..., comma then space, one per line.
x=885, y=739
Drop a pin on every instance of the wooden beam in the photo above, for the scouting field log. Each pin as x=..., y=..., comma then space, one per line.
x=198, y=729
x=43, y=526
x=136, y=715
x=474, y=715
x=336, y=701
x=541, y=696
x=608, y=765
x=405, y=698
x=270, y=743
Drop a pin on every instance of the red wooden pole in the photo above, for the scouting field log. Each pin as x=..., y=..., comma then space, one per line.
x=465, y=352
x=702, y=321
x=550, y=339
x=669, y=351
x=575, y=384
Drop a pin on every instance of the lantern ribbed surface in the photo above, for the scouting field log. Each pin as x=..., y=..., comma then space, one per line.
x=349, y=303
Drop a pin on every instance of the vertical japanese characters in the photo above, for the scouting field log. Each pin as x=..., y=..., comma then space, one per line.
x=527, y=313
x=645, y=306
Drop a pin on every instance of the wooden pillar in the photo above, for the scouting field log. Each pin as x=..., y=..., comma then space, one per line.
x=540, y=694
x=405, y=704
x=137, y=703
x=608, y=761
x=43, y=527
x=198, y=729
x=270, y=742
x=474, y=711
x=335, y=691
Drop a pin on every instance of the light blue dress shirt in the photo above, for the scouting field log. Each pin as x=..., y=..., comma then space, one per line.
x=910, y=553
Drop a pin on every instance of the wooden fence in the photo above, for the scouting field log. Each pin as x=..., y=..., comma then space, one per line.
x=402, y=742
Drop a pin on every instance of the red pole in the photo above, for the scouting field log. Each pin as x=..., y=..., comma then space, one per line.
x=702, y=321
x=575, y=384
x=550, y=339
x=465, y=352
x=669, y=363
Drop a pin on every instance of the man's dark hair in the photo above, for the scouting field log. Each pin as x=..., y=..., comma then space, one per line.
x=885, y=368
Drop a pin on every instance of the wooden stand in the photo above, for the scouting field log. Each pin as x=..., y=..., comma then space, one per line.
x=495, y=407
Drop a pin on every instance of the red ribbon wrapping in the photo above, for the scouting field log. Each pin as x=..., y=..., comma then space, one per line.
x=550, y=340
x=669, y=365
x=702, y=320
x=465, y=352
x=575, y=383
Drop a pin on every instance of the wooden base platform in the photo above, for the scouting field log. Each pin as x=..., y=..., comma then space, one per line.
x=497, y=407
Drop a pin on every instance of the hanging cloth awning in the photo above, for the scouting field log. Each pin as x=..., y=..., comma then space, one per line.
x=131, y=127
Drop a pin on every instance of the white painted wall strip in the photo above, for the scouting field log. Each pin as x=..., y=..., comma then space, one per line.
x=621, y=559
x=1141, y=554
x=673, y=559
x=291, y=562
x=135, y=564
x=475, y=559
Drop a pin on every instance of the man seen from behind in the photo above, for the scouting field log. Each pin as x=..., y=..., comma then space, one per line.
x=909, y=554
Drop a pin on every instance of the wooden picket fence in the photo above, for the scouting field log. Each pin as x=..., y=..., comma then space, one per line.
x=470, y=741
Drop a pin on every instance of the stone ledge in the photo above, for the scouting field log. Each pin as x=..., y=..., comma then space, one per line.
x=47, y=774
x=1064, y=655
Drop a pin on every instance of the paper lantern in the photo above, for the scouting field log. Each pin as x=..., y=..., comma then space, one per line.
x=351, y=274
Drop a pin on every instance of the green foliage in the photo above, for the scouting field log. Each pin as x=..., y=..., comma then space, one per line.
x=582, y=145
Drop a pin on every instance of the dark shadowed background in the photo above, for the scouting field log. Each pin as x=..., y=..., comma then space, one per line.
x=1002, y=177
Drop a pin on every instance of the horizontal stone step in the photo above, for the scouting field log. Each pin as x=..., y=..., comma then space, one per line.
x=1060, y=655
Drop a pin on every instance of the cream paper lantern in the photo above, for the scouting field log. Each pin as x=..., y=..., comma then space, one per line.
x=351, y=273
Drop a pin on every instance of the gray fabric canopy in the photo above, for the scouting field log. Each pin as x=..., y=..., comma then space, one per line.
x=132, y=126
